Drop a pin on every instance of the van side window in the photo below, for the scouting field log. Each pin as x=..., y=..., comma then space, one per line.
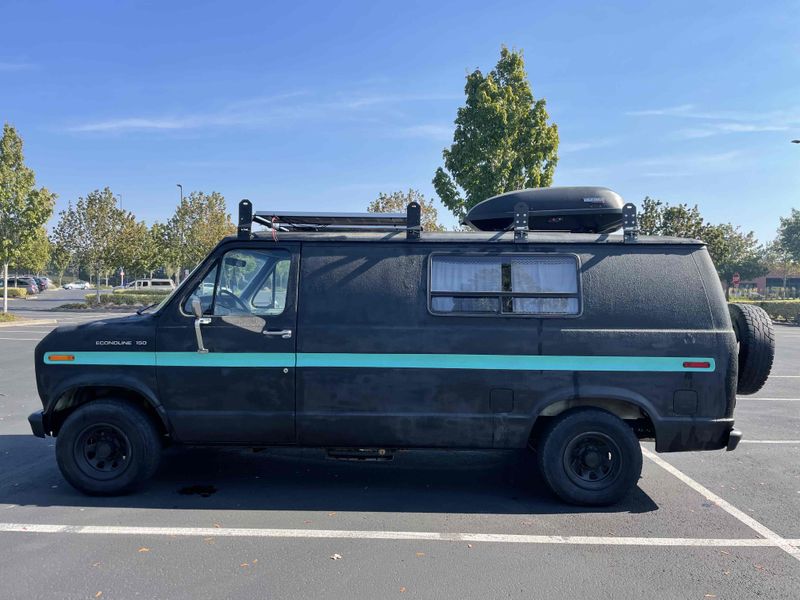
x=245, y=281
x=533, y=284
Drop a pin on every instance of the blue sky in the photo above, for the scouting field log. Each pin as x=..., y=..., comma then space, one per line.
x=324, y=105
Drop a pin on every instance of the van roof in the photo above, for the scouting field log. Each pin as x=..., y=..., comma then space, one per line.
x=475, y=237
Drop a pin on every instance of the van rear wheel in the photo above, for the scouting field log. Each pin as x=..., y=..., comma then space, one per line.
x=589, y=457
x=107, y=447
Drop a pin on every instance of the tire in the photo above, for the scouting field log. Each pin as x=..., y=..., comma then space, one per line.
x=571, y=445
x=107, y=448
x=756, y=338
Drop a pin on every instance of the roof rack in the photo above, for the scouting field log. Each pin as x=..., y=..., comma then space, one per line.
x=330, y=221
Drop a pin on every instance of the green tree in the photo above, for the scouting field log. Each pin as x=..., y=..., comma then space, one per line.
x=502, y=141
x=99, y=233
x=35, y=253
x=199, y=223
x=139, y=253
x=23, y=208
x=680, y=220
x=64, y=242
x=398, y=201
x=789, y=234
x=780, y=260
x=734, y=252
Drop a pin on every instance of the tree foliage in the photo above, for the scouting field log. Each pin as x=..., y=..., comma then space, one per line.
x=35, y=253
x=199, y=223
x=732, y=250
x=64, y=243
x=398, y=201
x=23, y=208
x=100, y=224
x=503, y=139
x=789, y=234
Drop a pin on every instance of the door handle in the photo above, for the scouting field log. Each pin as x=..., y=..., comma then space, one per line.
x=284, y=333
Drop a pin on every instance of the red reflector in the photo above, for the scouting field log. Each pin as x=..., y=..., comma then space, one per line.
x=697, y=365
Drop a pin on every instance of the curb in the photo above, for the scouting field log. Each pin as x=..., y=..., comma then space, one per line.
x=24, y=322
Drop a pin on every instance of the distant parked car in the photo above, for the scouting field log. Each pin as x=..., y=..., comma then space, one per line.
x=27, y=283
x=151, y=285
x=43, y=283
x=77, y=285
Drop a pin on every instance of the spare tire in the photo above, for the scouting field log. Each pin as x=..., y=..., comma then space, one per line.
x=756, y=338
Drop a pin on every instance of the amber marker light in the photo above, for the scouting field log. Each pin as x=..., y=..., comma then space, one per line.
x=61, y=357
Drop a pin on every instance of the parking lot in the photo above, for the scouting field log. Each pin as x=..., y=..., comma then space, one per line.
x=279, y=523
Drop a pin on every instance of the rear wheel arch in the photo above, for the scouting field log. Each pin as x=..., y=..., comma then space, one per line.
x=637, y=416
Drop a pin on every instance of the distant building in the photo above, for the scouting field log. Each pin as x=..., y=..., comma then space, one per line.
x=772, y=282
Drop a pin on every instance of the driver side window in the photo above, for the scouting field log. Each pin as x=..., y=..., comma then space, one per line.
x=245, y=282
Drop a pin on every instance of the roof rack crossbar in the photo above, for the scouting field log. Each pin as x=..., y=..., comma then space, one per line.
x=331, y=221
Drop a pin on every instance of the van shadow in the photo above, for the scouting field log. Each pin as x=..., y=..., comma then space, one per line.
x=418, y=481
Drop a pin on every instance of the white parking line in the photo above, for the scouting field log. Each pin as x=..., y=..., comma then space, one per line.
x=746, y=441
x=769, y=399
x=21, y=339
x=784, y=377
x=578, y=540
x=729, y=508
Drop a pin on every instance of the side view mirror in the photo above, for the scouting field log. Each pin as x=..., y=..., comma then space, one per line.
x=197, y=307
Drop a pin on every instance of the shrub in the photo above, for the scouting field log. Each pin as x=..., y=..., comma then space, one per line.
x=7, y=317
x=123, y=299
x=15, y=292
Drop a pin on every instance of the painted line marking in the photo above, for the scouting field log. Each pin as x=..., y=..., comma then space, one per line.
x=784, y=377
x=729, y=508
x=769, y=400
x=21, y=339
x=383, y=535
x=744, y=441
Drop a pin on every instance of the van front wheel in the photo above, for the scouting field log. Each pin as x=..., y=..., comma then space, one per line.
x=107, y=447
x=589, y=457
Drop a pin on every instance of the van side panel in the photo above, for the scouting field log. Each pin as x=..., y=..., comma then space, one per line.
x=368, y=302
x=371, y=299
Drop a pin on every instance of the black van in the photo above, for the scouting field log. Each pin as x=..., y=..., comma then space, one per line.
x=362, y=334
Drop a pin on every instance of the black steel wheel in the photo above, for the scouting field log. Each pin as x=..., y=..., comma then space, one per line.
x=108, y=447
x=588, y=456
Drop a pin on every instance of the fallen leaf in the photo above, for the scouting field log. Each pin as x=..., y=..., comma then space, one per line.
x=97, y=564
x=255, y=560
x=402, y=589
x=244, y=565
x=98, y=594
x=710, y=596
x=725, y=552
x=336, y=556
x=209, y=540
x=333, y=514
x=143, y=549
x=420, y=554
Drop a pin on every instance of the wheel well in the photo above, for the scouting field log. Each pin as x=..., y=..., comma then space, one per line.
x=76, y=397
x=633, y=414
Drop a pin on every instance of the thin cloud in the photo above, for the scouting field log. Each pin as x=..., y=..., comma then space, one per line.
x=723, y=122
x=16, y=66
x=568, y=147
x=271, y=110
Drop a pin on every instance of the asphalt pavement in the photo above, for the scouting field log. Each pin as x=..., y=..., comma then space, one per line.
x=282, y=523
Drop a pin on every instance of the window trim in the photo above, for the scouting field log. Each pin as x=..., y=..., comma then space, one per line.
x=214, y=260
x=500, y=295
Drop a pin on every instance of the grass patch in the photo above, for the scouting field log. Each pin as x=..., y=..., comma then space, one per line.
x=122, y=299
x=7, y=317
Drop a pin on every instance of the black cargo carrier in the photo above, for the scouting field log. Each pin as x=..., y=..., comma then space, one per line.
x=573, y=209
x=360, y=333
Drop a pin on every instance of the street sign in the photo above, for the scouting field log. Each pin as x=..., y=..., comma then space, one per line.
x=736, y=279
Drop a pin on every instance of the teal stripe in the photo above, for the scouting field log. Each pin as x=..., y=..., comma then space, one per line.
x=493, y=362
x=502, y=362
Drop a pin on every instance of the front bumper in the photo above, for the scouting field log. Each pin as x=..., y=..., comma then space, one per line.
x=37, y=423
x=682, y=435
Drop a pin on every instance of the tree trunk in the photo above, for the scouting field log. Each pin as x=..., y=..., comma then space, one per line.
x=97, y=285
x=727, y=291
x=5, y=288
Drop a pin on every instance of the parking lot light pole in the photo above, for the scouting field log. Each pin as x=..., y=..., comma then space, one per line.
x=796, y=141
x=181, y=187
